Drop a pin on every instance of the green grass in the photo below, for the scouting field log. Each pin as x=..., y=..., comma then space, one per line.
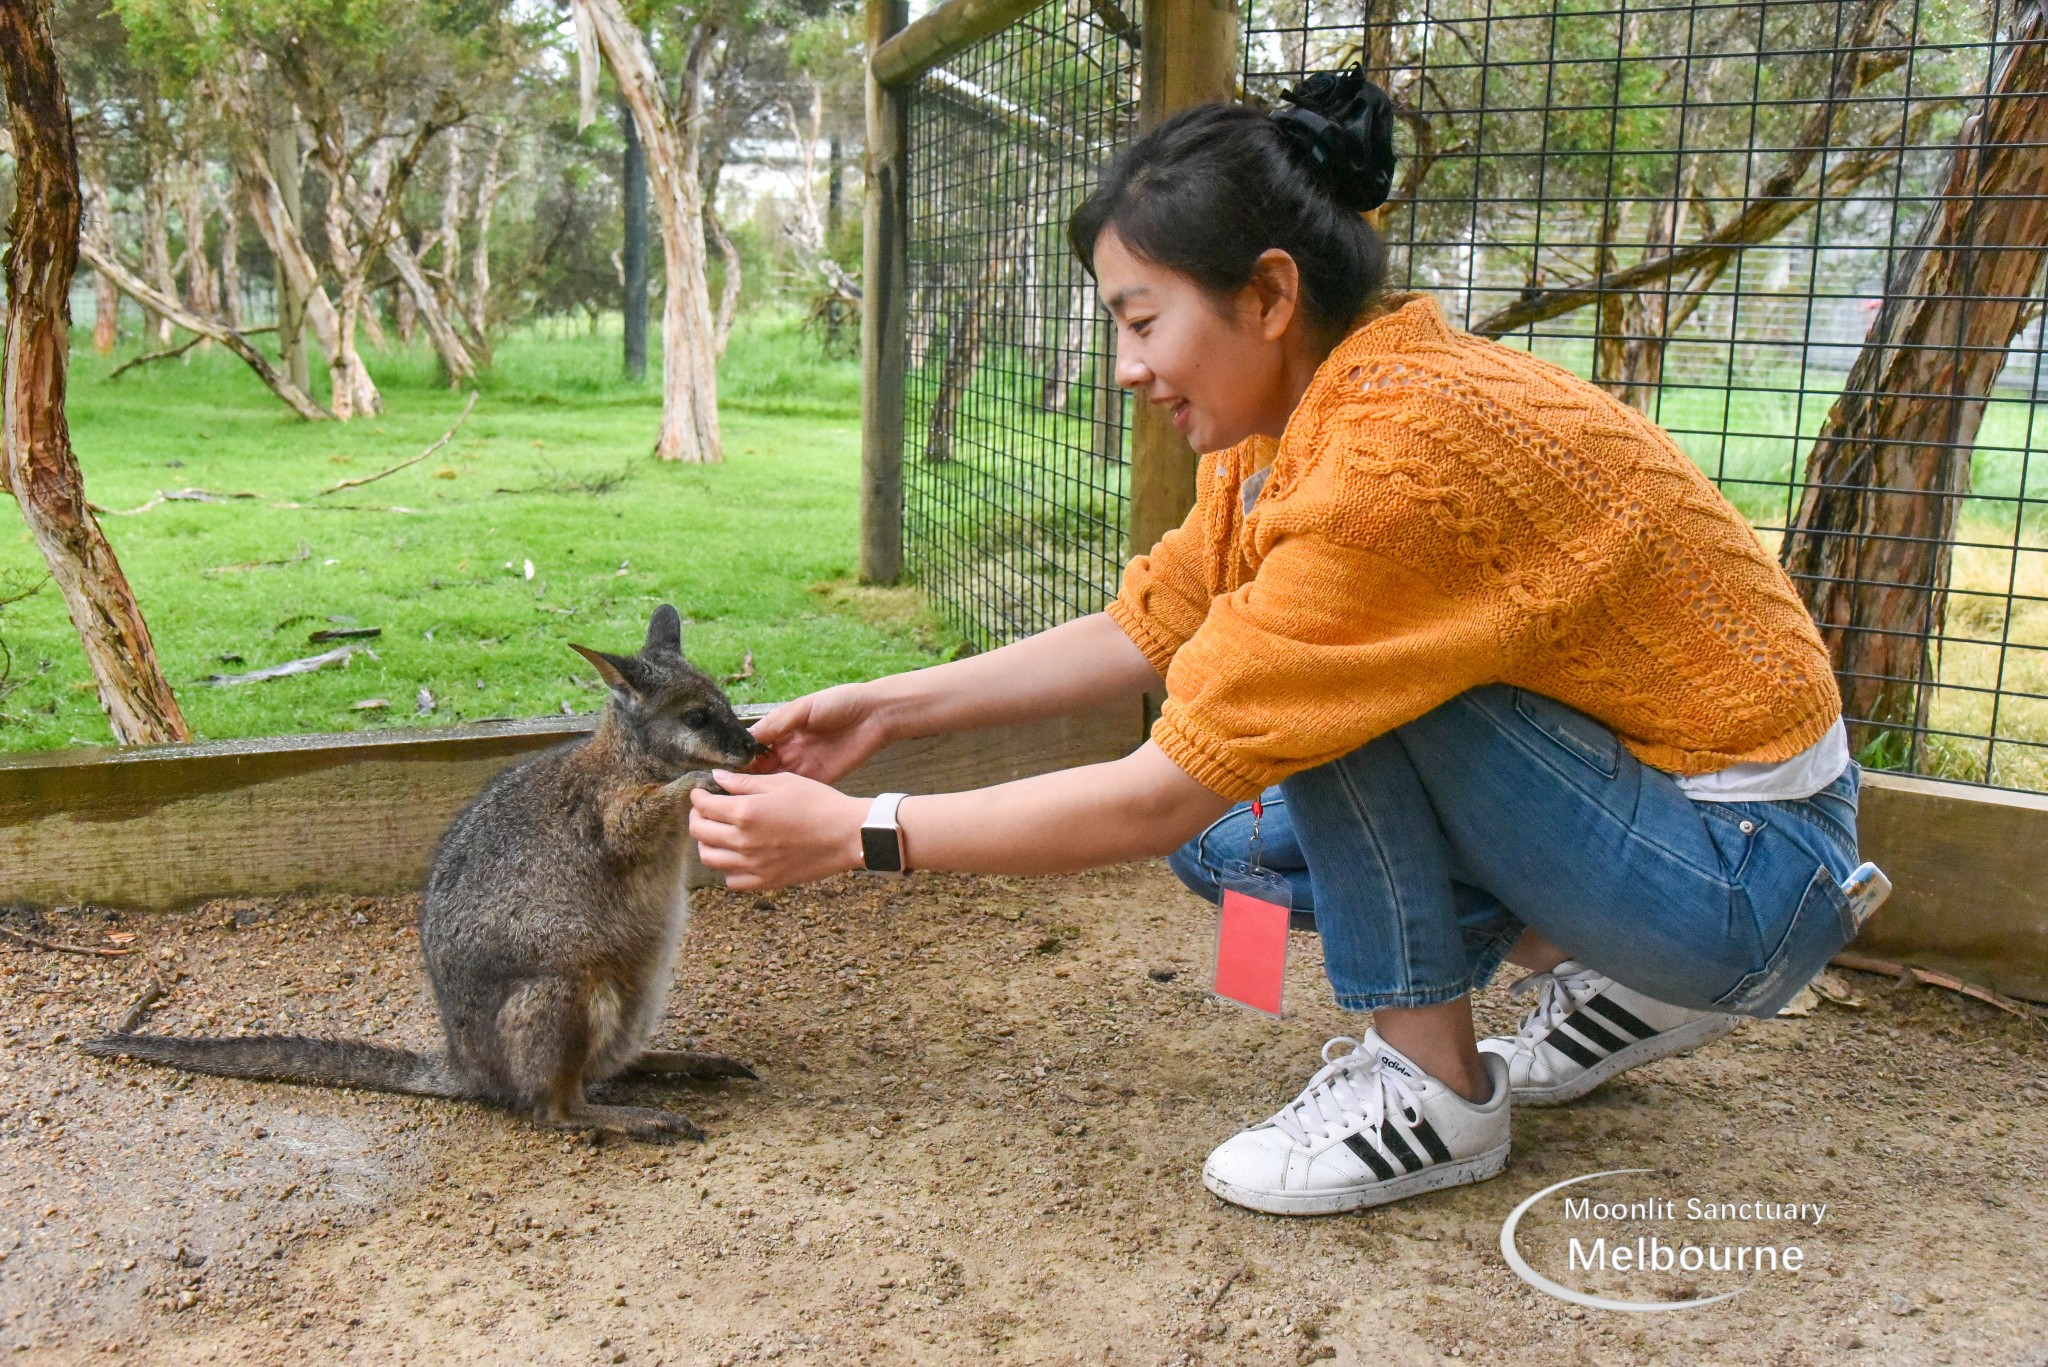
x=553, y=467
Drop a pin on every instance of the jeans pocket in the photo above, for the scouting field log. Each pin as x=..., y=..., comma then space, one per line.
x=1819, y=928
x=1586, y=739
x=1733, y=827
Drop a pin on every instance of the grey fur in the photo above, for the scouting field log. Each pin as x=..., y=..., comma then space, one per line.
x=551, y=920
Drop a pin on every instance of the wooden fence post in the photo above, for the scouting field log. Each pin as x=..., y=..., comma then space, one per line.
x=884, y=291
x=1190, y=57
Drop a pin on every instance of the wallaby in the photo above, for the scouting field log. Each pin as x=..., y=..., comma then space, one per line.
x=550, y=923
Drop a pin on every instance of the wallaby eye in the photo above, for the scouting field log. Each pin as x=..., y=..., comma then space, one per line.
x=696, y=719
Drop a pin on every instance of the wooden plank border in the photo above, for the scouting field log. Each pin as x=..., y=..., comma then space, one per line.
x=1969, y=871
x=167, y=826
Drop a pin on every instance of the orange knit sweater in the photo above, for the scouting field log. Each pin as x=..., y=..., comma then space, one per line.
x=1445, y=512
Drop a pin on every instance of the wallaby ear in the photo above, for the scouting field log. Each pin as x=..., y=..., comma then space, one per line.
x=615, y=670
x=665, y=630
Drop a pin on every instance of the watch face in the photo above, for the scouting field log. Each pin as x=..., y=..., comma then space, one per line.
x=880, y=849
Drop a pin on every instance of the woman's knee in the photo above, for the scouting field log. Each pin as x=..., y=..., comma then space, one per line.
x=1195, y=876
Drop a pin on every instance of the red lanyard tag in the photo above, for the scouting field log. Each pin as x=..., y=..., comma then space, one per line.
x=1251, y=933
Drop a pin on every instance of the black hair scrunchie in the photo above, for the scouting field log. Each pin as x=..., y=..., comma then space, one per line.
x=1342, y=130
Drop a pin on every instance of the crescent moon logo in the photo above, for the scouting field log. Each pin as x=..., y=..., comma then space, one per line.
x=1565, y=1293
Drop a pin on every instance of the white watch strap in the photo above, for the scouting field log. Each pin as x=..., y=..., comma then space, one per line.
x=883, y=812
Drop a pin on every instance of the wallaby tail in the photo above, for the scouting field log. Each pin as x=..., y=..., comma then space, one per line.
x=290, y=1058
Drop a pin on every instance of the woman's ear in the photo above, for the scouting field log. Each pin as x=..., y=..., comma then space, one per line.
x=1275, y=293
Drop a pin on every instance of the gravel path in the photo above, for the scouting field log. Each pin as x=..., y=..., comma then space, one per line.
x=983, y=1109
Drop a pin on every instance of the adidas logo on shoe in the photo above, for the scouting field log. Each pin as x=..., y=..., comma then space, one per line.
x=1585, y=1028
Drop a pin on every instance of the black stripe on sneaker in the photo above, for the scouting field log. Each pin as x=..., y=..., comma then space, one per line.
x=1370, y=1156
x=1398, y=1147
x=1594, y=1032
x=1426, y=1135
x=1623, y=1017
x=1571, y=1048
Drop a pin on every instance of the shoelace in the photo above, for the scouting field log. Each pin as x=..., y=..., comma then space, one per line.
x=1352, y=1085
x=1558, y=997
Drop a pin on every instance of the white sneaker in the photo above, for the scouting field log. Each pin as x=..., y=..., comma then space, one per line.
x=1586, y=1028
x=1371, y=1127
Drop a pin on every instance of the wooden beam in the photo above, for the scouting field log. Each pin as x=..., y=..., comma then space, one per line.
x=884, y=324
x=166, y=826
x=1189, y=57
x=1969, y=871
x=940, y=36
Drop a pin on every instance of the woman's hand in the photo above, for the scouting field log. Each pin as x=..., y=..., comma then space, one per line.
x=772, y=830
x=823, y=736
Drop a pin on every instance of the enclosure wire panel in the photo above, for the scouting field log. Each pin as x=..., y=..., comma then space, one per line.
x=1708, y=209
x=1015, y=467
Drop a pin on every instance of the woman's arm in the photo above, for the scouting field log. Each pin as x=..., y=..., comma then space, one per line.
x=772, y=830
x=1077, y=665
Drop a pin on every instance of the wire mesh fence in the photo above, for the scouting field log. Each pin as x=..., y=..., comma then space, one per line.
x=1015, y=471
x=1714, y=210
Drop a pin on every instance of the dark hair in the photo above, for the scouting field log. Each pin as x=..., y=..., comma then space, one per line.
x=1215, y=186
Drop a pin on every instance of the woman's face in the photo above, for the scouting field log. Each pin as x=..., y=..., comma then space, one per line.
x=1223, y=370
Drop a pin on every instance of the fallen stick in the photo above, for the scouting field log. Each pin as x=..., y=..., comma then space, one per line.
x=338, y=656
x=132, y=1017
x=746, y=670
x=1224, y=1289
x=95, y=950
x=171, y=496
x=146, y=357
x=446, y=437
x=1865, y=963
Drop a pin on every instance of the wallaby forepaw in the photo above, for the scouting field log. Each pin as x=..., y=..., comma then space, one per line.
x=696, y=778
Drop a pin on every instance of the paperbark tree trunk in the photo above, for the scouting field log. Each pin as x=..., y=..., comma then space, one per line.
x=280, y=156
x=1871, y=546
x=230, y=260
x=477, y=308
x=353, y=391
x=405, y=307
x=156, y=246
x=729, y=282
x=689, y=377
x=106, y=314
x=419, y=297
x=449, y=237
x=35, y=448
x=202, y=291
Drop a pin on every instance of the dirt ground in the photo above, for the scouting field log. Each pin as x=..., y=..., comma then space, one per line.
x=978, y=1132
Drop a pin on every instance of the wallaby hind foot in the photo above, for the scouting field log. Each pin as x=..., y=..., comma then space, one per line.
x=644, y=1123
x=685, y=1063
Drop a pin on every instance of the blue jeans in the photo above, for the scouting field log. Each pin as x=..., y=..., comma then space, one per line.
x=1425, y=853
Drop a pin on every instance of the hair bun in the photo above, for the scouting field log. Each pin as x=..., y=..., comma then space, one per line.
x=1341, y=129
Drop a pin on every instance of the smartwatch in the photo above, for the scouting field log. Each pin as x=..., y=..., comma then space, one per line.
x=881, y=839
